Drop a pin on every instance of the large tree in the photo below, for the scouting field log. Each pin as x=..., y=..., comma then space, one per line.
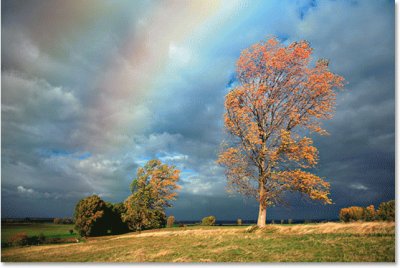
x=152, y=190
x=278, y=103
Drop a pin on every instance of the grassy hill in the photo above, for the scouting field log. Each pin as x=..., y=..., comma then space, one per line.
x=325, y=242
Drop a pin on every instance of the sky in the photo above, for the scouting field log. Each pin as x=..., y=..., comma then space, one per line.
x=91, y=90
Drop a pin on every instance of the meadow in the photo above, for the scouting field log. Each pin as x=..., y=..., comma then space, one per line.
x=49, y=230
x=323, y=242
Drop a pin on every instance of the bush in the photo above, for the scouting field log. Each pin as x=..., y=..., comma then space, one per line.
x=351, y=214
x=41, y=238
x=170, y=221
x=239, y=221
x=386, y=211
x=33, y=240
x=210, y=220
x=19, y=239
x=71, y=231
x=90, y=216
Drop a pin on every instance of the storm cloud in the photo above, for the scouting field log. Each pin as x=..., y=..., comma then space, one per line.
x=91, y=90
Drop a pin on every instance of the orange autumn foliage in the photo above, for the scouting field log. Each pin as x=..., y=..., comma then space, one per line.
x=270, y=115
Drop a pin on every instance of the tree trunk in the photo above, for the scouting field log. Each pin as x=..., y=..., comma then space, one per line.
x=262, y=215
x=262, y=212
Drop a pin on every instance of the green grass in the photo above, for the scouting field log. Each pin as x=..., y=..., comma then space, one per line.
x=48, y=229
x=216, y=244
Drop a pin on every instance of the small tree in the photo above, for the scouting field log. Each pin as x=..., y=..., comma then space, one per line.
x=90, y=216
x=344, y=215
x=140, y=216
x=152, y=190
x=170, y=221
x=369, y=213
x=210, y=220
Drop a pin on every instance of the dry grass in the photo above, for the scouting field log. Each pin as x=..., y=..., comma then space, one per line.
x=193, y=232
x=355, y=242
x=331, y=228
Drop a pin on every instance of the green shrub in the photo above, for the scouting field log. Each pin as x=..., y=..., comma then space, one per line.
x=41, y=238
x=33, y=240
x=210, y=220
x=170, y=221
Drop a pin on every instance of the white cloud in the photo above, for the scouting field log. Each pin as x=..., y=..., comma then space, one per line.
x=359, y=186
x=174, y=157
x=22, y=189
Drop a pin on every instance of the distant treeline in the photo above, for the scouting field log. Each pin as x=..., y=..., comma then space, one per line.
x=385, y=212
x=250, y=222
x=27, y=220
x=63, y=221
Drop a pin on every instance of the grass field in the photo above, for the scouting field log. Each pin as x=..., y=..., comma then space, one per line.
x=326, y=242
x=48, y=229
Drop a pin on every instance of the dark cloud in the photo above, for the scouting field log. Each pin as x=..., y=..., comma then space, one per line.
x=91, y=91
